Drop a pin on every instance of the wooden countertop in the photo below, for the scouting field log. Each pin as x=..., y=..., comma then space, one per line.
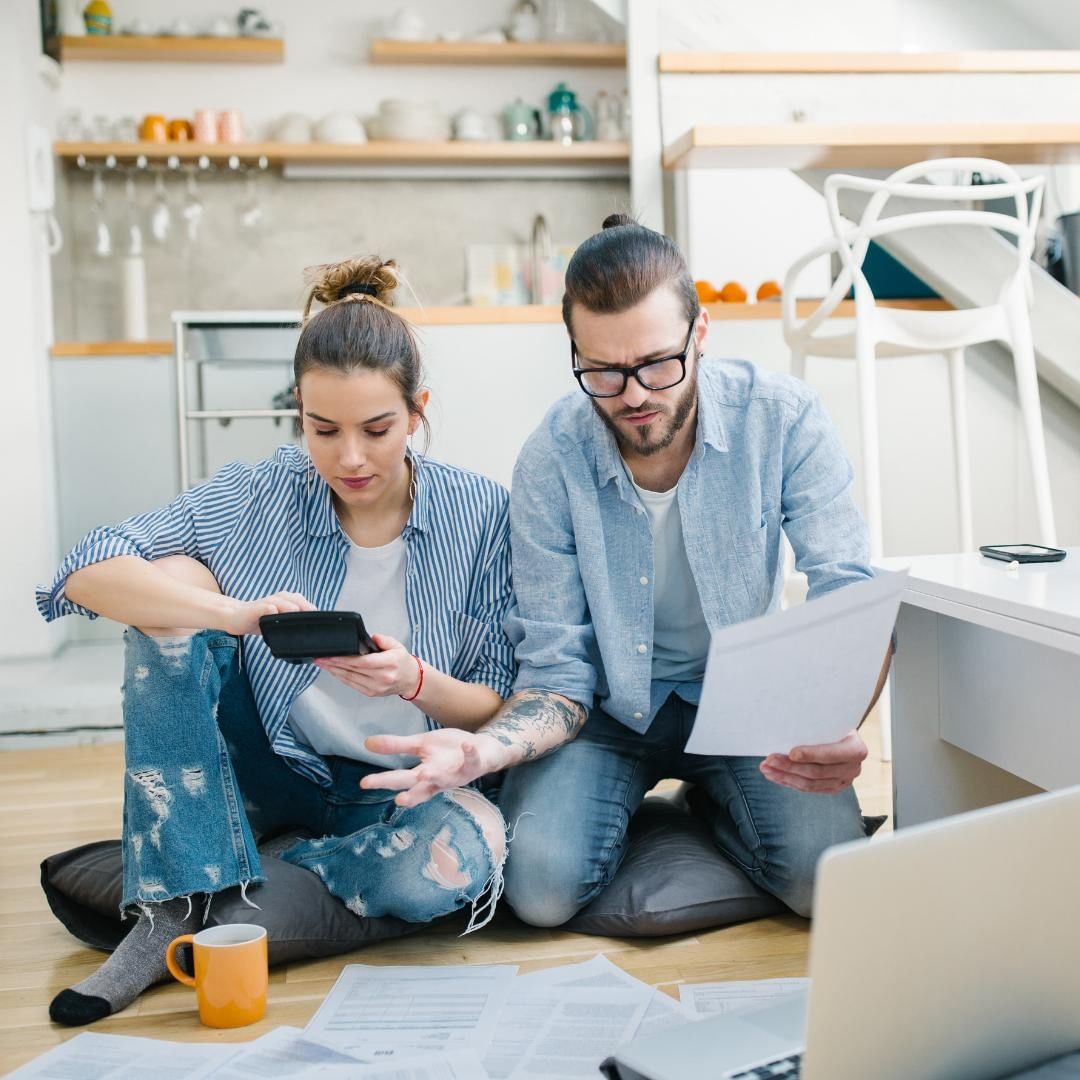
x=997, y=61
x=496, y=316
x=832, y=146
x=111, y=348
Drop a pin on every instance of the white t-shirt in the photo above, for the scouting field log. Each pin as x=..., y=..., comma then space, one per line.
x=680, y=634
x=334, y=718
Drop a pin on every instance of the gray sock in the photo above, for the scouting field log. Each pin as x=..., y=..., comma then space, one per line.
x=278, y=844
x=137, y=964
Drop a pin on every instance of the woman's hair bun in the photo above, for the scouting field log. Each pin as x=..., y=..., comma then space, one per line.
x=332, y=282
x=613, y=221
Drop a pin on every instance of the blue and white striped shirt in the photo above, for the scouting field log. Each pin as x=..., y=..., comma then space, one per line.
x=271, y=526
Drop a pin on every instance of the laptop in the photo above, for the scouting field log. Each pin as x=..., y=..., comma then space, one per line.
x=947, y=951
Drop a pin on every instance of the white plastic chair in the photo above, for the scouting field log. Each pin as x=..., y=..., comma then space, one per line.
x=884, y=332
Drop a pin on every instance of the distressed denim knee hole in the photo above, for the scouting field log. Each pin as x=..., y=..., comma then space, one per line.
x=444, y=867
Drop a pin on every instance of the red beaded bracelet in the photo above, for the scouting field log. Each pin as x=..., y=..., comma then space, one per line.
x=419, y=685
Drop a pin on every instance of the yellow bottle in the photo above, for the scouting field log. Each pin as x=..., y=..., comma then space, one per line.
x=98, y=17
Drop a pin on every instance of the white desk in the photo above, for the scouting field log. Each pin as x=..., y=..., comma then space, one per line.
x=986, y=683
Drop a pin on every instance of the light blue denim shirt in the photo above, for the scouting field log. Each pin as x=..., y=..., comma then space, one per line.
x=766, y=458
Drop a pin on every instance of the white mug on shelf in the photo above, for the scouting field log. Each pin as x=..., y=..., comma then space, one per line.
x=405, y=25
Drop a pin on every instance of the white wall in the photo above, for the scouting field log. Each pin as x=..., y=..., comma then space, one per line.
x=29, y=535
x=326, y=67
x=869, y=25
x=750, y=225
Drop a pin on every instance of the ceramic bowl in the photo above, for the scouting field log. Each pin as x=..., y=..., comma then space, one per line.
x=412, y=121
x=340, y=127
x=293, y=128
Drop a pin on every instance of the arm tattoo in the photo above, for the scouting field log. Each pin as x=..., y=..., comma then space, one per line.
x=536, y=722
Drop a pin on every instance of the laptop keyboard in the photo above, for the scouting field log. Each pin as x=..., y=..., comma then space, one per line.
x=786, y=1068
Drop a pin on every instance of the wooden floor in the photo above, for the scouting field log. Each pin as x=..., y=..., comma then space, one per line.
x=53, y=799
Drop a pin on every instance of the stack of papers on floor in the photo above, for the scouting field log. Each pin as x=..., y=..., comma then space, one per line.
x=426, y=1023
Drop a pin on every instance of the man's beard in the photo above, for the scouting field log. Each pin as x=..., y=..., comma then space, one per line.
x=643, y=445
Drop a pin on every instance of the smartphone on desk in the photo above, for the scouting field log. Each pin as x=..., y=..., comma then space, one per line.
x=302, y=636
x=1022, y=553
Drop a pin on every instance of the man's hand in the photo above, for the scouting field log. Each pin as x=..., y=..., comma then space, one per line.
x=380, y=674
x=449, y=758
x=242, y=616
x=824, y=769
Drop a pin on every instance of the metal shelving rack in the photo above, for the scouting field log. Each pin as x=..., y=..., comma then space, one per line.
x=190, y=380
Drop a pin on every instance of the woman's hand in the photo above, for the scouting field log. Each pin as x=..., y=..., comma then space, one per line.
x=242, y=616
x=448, y=759
x=392, y=671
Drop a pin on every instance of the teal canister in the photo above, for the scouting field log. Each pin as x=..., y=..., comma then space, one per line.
x=521, y=121
x=562, y=114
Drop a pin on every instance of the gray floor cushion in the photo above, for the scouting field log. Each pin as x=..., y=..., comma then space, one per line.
x=301, y=918
x=672, y=881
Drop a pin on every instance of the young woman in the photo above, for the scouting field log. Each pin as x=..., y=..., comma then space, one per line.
x=226, y=745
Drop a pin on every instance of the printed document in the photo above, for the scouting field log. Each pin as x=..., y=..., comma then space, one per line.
x=376, y=1013
x=798, y=677
x=663, y=1012
x=554, y=1033
x=122, y=1057
x=281, y=1052
x=711, y=999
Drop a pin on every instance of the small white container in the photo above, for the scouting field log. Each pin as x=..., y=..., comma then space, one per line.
x=133, y=298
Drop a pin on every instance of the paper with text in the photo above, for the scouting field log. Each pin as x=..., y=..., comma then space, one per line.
x=799, y=677
x=553, y=1033
x=281, y=1052
x=711, y=999
x=90, y=1056
x=375, y=1013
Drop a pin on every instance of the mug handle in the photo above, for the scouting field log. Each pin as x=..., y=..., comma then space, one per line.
x=170, y=959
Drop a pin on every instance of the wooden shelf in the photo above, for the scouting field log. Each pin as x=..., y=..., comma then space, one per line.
x=1016, y=61
x=383, y=152
x=546, y=53
x=867, y=146
x=244, y=50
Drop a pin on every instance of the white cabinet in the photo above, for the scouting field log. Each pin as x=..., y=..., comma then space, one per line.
x=115, y=423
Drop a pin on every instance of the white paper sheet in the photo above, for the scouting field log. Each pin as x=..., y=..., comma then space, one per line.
x=599, y=972
x=556, y=1033
x=376, y=1013
x=281, y=1052
x=709, y=999
x=90, y=1056
x=798, y=677
x=664, y=1012
x=454, y=1065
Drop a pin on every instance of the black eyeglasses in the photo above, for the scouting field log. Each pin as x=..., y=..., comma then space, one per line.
x=659, y=374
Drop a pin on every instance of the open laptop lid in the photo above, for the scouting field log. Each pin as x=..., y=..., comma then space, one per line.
x=950, y=950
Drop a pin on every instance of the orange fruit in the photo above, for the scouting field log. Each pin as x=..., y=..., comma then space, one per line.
x=769, y=290
x=733, y=293
x=705, y=292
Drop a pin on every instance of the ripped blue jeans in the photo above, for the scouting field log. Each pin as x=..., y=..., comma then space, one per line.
x=202, y=785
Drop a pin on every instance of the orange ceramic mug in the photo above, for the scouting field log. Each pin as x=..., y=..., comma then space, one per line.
x=154, y=128
x=230, y=973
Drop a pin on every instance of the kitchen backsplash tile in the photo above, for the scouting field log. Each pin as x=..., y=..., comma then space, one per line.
x=425, y=225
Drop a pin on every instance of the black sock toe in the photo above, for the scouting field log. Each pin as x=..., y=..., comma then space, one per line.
x=73, y=1009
